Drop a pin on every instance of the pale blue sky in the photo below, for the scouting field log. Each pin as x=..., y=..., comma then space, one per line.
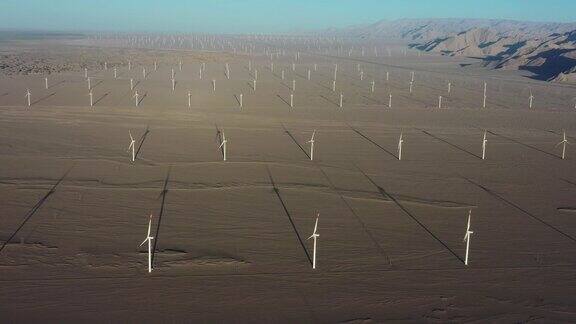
x=228, y=16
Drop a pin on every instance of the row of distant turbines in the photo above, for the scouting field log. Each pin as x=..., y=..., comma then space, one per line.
x=137, y=96
x=314, y=237
x=223, y=145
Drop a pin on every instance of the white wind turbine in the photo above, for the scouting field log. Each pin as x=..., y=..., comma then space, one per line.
x=484, y=141
x=563, y=143
x=223, y=145
x=315, y=236
x=132, y=146
x=467, y=238
x=28, y=95
x=149, y=240
x=136, y=96
x=311, y=141
x=400, y=143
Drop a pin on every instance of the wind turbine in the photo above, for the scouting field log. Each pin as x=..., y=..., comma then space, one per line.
x=484, y=98
x=28, y=95
x=46, y=82
x=136, y=96
x=149, y=240
x=91, y=98
x=484, y=141
x=189, y=99
x=563, y=143
x=223, y=145
x=531, y=98
x=467, y=237
x=400, y=142
x=132, y=146
x=311, y=141
x=315, y=236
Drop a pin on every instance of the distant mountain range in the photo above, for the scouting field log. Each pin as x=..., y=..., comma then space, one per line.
x=548, y=50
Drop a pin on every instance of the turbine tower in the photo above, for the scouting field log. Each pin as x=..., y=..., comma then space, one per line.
x=315, y=236
x=467, y=237
x=149, y=240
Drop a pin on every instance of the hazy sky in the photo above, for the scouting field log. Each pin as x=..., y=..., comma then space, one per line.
x=263, y=16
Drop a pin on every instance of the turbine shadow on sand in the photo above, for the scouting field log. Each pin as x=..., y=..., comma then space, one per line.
x=35, y=208
x=371, y=141
x=161, y=212
x=385, y=194
x=451, y=144
x=277, y=192
x=296, y=142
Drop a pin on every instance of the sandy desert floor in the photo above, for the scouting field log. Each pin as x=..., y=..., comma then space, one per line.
x=230, y=238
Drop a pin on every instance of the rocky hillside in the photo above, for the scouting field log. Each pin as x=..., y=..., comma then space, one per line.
x=548, y=50
x=429, y=29
x=549, y=57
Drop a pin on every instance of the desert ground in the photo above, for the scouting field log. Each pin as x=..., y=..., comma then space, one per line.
x=231, y=237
